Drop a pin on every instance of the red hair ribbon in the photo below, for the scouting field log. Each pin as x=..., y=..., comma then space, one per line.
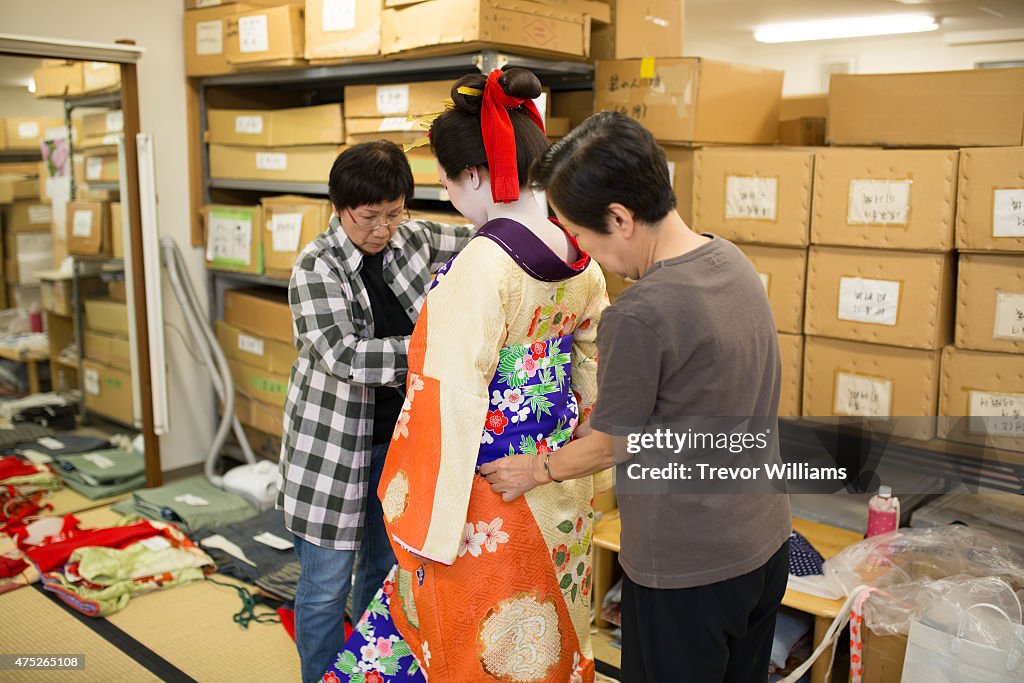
x=500, y=139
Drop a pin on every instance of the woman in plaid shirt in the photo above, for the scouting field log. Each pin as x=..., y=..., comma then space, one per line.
x=355, y=294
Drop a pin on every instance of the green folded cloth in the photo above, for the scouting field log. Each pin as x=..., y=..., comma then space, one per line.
x=96, y=492
x=197, y=503
x=102, y=474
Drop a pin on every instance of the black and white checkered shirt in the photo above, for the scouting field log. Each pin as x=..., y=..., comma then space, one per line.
x=328, y=420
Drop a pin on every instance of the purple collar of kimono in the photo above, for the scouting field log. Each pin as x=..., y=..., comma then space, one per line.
x=530, y=252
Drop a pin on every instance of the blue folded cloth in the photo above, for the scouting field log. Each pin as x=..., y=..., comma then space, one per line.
x=804, y=560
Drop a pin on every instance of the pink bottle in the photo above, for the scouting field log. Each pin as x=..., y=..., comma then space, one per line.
x=883, y=512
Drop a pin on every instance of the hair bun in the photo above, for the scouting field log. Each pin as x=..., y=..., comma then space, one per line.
x=519, y=82
x=470, y=104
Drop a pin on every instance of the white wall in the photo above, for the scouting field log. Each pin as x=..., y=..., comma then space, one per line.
x=155, y=25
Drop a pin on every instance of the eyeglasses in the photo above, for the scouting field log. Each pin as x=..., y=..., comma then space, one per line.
x=371, y=227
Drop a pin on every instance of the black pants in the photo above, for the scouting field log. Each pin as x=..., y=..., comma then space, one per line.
x=721, y=632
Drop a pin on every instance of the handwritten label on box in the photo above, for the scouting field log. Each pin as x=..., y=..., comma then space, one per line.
x=395, y=123
x=1009, y=316
x=81, y=223
x=286, y=229
x=92, y=382
x=209, y=38
x=229, y=237
x=271, y=161
x=93, y=168
x=1008, y=213
x=338, y=15
x=879, y=202
x=253, y=35
x=392, y=99
x=28, y=130
x=251, y=345
x=1002, y=413
x=40, y=214
x=862, y=395
x=115, y=121
x=869, y=301
x=751, y=197
x=249, y=125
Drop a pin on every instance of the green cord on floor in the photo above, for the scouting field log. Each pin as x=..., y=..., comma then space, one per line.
x=248, y=613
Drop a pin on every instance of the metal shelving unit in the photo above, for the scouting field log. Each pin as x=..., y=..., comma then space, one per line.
x=315, y=189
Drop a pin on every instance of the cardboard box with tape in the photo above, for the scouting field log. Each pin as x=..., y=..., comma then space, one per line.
x=337, y=29
x=890, y=199
x=63, y=79
x=258, y=384
x=755, y=195
x=88, y=229
x=205, y=38
x=853, y=379
x=382, y=111
x=653, y=28
x=982, y=398
x=791, y=351
x=990, y=303
x=305, y=164
x=108, y=391
x=260, y=311
x=290, y=223
x=272, y=355
x=234, y=237
x=265, y=37
x=317, y=125
x=898, y=298
x=783, y=272
x=691, y=99
x=990, y=202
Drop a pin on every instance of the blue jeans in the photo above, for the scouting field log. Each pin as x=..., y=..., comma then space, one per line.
x=325, y=578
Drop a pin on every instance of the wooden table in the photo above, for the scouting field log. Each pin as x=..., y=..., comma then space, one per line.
x=30, y=359
x=828, y=540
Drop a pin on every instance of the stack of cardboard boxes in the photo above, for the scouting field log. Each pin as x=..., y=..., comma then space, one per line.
x=27, y=240
x=95, y=159
x=59, y=78
x=256, y=336
x=107, y=365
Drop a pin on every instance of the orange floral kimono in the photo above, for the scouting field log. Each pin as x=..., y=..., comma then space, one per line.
x=502, y=361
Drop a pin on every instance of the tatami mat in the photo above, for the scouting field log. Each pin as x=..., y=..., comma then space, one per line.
x=36, y=626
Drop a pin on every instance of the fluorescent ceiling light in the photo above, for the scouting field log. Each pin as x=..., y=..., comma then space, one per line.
x=856, y=27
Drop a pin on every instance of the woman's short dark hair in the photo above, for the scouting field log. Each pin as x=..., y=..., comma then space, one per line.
x=370, y=173
x=455, y=137
x=609, y=158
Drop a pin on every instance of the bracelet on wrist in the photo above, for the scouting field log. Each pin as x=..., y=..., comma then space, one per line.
x=547, y=468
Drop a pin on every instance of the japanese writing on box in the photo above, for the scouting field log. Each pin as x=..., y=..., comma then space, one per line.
x=1008, y=213
x=1009, y=316
x=869, y=301
x=996, y=414
x=860, y=395
x=879, y=202
x=616, y=83
x=751, y=198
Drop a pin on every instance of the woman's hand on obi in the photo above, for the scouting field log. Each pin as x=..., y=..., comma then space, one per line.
x=514, y=475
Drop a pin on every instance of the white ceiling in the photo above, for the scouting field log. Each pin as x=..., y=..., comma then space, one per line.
x=732, y=22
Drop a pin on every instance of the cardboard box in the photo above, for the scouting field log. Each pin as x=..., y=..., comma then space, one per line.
x=681, y=162
x=397, y=129
x=56, y=291
x=27, y=132
x=900, y=298
x=102, y=167
x=976, y=108
x=804, y=107
x=108, y=391
x=652, y=28
x=990, y=200
x=28, y=254
x=424, y=167
x=233, y=4
x=100, y=76
x=260, y=311
x=234, y=237
x=26, y=215
x=754, y=195
x=895, y=199
x=14, y=187
x=791, y=350
x=783, y=272
x=309, y=164
x=316, y=125
x=982, y=399
x=266, y=446
x=398, y=99
x=108, y=349
x=107, y=316
x=116, y=230
x=264, y=417
x=342, y=28
x=809, y=132
x=290, y=223
x=88, y=229
x=60, y=80
x=258, y=384
x=98, y=125
x=117, y=291
x=693, y=99
x=520, y=24
x=447, y=217
x=883, y=657
x=576, y=105
x=205, y=39
x=272, y=36
x=614, y=284
x=270, y=355
x=990, y=303
x=843, y=378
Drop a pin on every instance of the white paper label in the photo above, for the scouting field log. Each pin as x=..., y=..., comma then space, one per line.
x=276, y=542
x=253, y=35
x=93, y=168
x=864, y=396
x=40, y=214
x=35, y=457
x=100, y=460
x=395, y=123
x=81, y=225
x=1008, y=213
x=50, y=443
x=671, y=173
x=286, y=229
x=750, y=197
x=92, y=382
x=1003, y=413
x=115, y=121
x=155, y=543
x=339, y=15
x=392, y=99
x=229, y=239
x=879, y=202
x=1009, y=316
x=207, y=3
x=271, y=161
x=191, y=499
x=28, y=130
x=764, y=280
x=869, y=301
x=249, y=125
x=111, y=138
x=252, y=345
x=210, y=38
